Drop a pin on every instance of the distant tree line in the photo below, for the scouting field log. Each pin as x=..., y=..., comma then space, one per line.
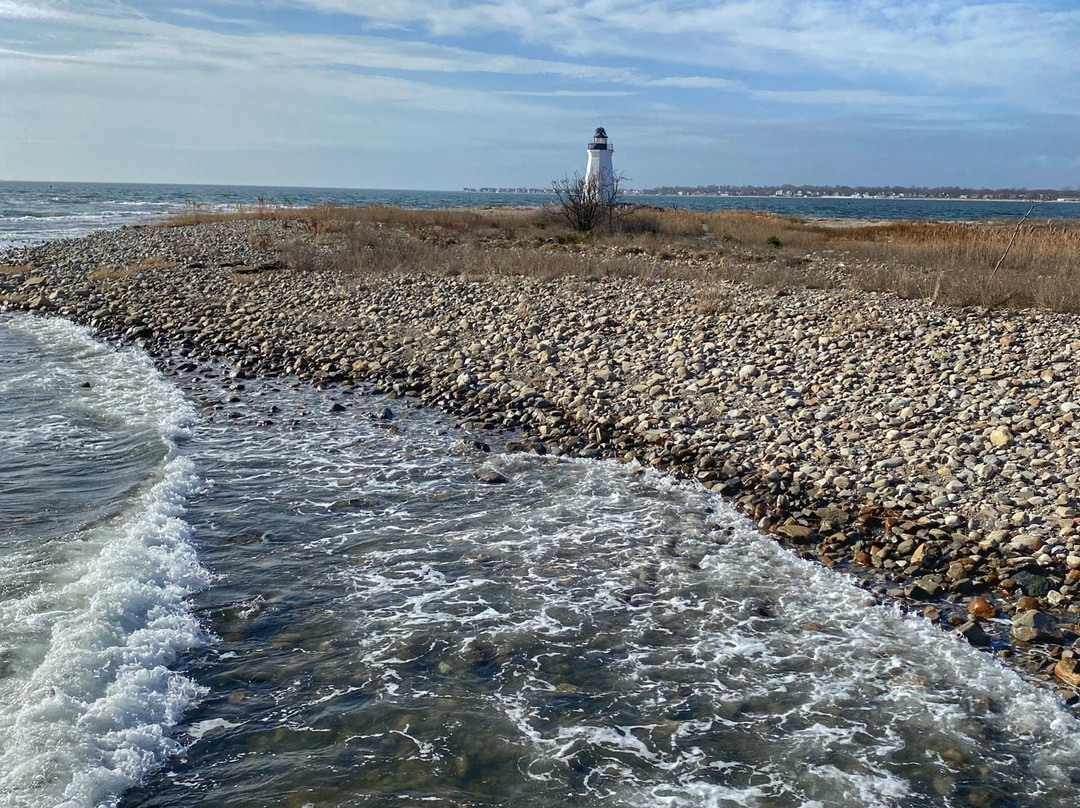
x=940, y=192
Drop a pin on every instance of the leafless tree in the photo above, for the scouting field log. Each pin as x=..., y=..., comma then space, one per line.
x=584, y=206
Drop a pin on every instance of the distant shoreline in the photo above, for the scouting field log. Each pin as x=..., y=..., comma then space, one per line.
x=632, y=193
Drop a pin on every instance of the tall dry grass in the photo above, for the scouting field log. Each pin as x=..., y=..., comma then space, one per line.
x=970, y=264
x=951, y=263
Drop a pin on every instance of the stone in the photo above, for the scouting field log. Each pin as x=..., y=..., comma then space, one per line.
x=1026, y=603
x=1001, y=436
x=1068, y=671
x=981, y=607
x=1034, y=626
x=925, y=588
x=1033, y=584
x=974, y=634
x=957, y=571
x=797, y=533
x=1025, y=542
x=486, y=474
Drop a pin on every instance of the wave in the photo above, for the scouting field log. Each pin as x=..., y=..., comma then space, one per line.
x=88, y=685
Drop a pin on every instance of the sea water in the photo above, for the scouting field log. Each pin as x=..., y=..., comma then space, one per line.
x=31, y=212
x=231, y=592
x=96, y=566
x=217, y=591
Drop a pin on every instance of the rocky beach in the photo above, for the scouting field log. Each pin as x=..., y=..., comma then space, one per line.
x=929, y=451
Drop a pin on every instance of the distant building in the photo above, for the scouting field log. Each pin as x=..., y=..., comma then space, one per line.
x=599, y=175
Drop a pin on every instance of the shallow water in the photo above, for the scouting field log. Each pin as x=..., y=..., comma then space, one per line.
x=95, y=567
x=382, y=628
x=393, y=629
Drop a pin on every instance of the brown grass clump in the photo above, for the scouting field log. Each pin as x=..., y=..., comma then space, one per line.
x=108, y=271
x=328, y=218
x=195, y=213
x=958, y=263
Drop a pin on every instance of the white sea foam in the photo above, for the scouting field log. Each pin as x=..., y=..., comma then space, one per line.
x=795, y=683
x=121, y=384
x=90, y=698
x=580, y=635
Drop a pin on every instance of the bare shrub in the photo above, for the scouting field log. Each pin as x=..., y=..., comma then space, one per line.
x=300, y=255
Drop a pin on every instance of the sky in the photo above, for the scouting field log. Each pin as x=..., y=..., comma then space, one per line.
x=441, y=94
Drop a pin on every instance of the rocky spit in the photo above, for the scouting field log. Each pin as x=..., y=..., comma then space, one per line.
x=931, y=452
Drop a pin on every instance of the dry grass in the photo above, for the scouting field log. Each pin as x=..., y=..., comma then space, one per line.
x=337, y=218
x=108, y=271
x=952, y=263
x=958, y=263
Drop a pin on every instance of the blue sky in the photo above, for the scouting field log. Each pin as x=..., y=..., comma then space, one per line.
x=440, y=94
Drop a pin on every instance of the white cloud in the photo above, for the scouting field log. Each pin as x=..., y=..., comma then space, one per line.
x=858, y=98
x=1021, y=49
x=569, y=93
x=696, y=82
x=15, y=10
x=215, y=78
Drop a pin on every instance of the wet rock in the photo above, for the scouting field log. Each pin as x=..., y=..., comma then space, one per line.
x=924, y=588
x=973, y=632
x=981, y=607
x=795, y=532
x=1033, y=584
x=1068, y=671
x=486, y=474
x=1034, y=626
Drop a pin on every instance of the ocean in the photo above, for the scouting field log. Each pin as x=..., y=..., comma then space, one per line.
x=219, y=591
x=38, y=211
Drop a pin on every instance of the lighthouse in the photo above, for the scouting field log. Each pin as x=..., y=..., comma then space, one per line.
x=599, y=176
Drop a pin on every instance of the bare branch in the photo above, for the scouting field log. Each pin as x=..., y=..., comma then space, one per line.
x=583, y=208
x=1032, y=204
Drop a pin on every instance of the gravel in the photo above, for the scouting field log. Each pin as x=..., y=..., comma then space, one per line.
x=929, y=451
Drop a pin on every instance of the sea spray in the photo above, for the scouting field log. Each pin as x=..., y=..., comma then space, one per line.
x=97, y=613
x=582, y=634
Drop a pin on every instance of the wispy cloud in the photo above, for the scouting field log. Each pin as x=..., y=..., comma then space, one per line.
x=697, y=82
x=1009, y=45
x=712, y=82
x=569, y=93
x=856, y=98
x=15, y=10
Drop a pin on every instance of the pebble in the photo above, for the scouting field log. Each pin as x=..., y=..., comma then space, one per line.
x=894, y=438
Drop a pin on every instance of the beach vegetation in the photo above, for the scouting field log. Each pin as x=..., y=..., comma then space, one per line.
x=585, y=207
x=1034, y=263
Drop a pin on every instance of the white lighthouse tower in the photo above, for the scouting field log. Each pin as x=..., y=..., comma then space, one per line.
x=599, y=175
